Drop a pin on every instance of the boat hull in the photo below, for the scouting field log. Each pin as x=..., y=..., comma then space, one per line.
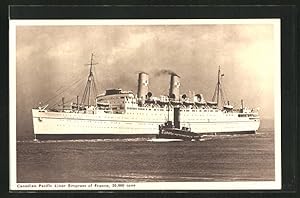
x=57, y=125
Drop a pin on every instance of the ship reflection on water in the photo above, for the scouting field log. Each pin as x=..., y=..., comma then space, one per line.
x=216, y=158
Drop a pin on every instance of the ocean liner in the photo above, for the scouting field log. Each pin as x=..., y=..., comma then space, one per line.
x=119, y=113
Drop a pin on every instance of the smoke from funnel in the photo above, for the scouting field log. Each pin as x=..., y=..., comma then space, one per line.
x=166, y=71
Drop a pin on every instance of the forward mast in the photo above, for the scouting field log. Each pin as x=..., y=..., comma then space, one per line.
x=90, y=84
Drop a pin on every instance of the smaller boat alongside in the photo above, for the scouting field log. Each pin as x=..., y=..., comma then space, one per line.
x=172, y=132
x=168, y=130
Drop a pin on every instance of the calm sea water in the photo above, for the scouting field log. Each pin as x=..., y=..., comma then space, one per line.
x=217, y=158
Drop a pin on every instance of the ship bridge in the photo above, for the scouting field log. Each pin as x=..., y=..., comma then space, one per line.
x=115, y=98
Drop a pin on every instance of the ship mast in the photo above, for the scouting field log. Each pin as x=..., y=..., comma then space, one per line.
x=218, y=84
x=218, y=90
x=90, y=84
x=168, y=109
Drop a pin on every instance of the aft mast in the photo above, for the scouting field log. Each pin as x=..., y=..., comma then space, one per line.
x=90, y=84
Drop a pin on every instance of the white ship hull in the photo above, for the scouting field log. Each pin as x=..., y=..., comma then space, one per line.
x=139, y=121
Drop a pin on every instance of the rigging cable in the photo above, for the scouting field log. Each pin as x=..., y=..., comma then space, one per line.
x=71, y=89
x=64, y=90
x=74, y=77
x=95, y=78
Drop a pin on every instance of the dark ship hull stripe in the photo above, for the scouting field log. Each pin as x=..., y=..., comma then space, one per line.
x=119, y=136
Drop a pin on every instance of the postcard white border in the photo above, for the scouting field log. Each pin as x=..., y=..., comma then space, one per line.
x=255, y=185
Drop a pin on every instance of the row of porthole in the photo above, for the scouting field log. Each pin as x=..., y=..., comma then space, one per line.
x=156, y=118
x=90, y=121
x=107, y=123
x=133, y=113
x=97, y=126
x=103, y=126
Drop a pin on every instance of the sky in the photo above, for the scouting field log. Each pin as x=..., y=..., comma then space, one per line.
x=49, y=59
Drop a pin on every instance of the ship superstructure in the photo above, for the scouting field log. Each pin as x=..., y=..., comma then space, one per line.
x=122, y=113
